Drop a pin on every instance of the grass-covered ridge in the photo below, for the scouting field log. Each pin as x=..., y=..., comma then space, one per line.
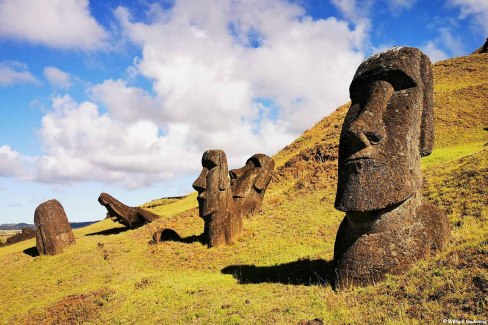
x=277, y=272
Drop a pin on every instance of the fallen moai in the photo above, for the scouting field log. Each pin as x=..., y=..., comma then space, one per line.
x=388, y=128
x=249, y=183
x=223, y=221
x=121, y=213
x=27, y=233
x=53, y=231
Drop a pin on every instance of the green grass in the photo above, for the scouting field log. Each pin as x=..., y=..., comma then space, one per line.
x=448, y=154
x=177, y=206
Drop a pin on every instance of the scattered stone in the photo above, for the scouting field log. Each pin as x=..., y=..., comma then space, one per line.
x=249, y=183
x=123, y=214
x=27, y=233
x=53, y=231
x=388, y=128
x=223, y=221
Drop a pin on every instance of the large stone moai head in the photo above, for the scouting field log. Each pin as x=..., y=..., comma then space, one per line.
x=388, y=127
x=249, y=183
x=53, y=231
x=213, y=183
x=223, y=222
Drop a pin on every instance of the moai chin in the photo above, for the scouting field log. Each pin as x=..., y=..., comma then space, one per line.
x=388, y=128
x=249, y=183
x=223, y=221
x=53, y=231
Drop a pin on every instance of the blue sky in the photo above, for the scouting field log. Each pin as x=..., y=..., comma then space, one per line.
x=124, y=96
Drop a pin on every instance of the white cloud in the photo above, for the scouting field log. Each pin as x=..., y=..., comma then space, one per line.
x=57, y=78
x=10, y=162
x=12, y=72
x=434, y=52
x=303, y=65
x=127, y=103
x=477, y=9
x=242, y=76
x=65, y=24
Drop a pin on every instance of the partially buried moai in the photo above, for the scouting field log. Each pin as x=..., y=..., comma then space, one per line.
x=223, y=221
x=53, y=231
x=249, y=183
x=388, y=128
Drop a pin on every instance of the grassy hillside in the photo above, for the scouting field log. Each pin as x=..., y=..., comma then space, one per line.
x=277, y=274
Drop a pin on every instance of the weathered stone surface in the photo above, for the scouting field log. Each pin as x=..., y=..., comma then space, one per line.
x=27, y=233
x=223, y=221
x=249, y=183
x=121, y=213
x=388, y=127
x=53, y=231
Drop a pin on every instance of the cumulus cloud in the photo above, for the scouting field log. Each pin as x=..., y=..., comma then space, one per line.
x=242, y=76
x=477, y=9
x=57, y=78
x=10, y=162
x=127, y=103
x=12, y=72
x=65, y=24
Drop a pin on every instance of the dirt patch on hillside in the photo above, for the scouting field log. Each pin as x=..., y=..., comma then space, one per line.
x=74, y=309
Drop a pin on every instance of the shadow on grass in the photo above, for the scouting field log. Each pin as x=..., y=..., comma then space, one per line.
x=31, y=251
x=171, y=235
x=108, y=232
x=302, y=272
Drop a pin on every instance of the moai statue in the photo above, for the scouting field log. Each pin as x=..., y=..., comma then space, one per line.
x=53, y=231
x=223, y=221
x=249, y=183
x=388, y=127
x=123, y=214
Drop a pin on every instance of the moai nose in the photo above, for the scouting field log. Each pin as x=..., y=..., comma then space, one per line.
x=200, y=184
x=368, y=127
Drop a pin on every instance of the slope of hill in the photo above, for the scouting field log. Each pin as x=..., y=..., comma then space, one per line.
x=278, y=272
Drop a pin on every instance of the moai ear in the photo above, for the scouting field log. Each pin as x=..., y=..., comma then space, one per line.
x=426, y=142
x=223, y=173
x=264, y=176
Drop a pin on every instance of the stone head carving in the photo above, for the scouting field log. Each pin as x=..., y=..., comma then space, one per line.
x=249, y=183
x=53, y=231
x=223, y=222
x=388, y=127
x=213, y=182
